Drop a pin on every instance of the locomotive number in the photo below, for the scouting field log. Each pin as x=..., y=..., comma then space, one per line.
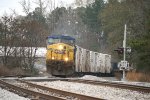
x=60, y=51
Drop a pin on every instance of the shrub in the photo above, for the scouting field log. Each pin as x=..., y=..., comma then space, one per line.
x=4, y=71
x=138, y=76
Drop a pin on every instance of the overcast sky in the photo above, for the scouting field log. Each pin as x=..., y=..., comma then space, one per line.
x=7, y=5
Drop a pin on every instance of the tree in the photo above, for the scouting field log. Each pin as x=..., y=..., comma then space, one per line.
x=19, y=40
x=7, y=35
x=54, y=17
x=26, y=5
x=90, y=17
x=113, y=18
x=135, y=14
x=79, y=2
x=32, y=32
x=142, y=43
x=42, y=5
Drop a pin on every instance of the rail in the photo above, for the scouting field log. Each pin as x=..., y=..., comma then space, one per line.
x=113, y=84
x=62, y=92
x=30, y=92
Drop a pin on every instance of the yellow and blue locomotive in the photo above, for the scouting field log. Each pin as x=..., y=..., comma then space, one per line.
x=60, y=56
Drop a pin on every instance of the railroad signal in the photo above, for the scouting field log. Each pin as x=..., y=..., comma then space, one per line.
x=124, y=65
x=128, y=50
x=119, y=50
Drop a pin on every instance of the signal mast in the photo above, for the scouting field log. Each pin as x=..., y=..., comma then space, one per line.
x=124, y=65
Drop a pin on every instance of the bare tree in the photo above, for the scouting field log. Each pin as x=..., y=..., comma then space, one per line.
x=26, y=5
x=42, y=5
x=33, y=33
x=9, y=41
x=5, y=38
x=79, y=2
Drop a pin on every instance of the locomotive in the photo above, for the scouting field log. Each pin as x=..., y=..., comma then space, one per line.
x=64, y=58
x=60, y=56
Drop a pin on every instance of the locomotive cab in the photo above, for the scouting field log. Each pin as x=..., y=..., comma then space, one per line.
x=52, y=40
x=60, y=55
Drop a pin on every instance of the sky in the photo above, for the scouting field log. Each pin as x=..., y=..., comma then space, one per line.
x=7, y=6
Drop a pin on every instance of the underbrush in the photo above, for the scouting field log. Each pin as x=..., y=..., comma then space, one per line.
x=138, y=76
x=118, y=75
x=4, y=71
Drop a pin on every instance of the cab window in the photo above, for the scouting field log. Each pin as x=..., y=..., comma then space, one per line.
x=70, y=42
x=52, y=41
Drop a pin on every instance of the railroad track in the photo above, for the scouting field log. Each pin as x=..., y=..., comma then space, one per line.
x=45, y=93
x=113, y=84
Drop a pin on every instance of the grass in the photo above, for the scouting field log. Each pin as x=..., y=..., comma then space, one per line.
x=138, y=76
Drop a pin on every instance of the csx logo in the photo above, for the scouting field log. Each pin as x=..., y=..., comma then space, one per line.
x=59, y=51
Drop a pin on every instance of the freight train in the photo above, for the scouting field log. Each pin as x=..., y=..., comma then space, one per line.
x=63, y=57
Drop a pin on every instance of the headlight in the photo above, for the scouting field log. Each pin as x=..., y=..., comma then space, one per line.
x=60, y=47
x=53, y=58
x=66, y=59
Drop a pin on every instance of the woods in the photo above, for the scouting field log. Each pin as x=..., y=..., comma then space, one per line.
x=98, y=26
x=135, y=14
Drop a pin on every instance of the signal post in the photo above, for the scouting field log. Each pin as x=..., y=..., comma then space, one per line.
x=124, y=65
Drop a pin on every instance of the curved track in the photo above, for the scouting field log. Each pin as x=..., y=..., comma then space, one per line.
x=30, y=93
x=45, y=92
x=113, y=84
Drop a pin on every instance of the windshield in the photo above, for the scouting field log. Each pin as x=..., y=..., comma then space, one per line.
x=70, y=42
x=53, y=41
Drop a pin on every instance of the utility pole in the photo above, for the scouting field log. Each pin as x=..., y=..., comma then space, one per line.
x=124, y=51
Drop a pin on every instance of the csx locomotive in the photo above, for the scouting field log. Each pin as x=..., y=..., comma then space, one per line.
x=64, y=58
x=60, y=56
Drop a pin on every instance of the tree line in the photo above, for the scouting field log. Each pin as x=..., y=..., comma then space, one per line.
x=110, y=18
x=98, y=26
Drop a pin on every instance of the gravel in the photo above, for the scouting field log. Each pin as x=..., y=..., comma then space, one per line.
x=113, y=79
x=135, y=83
x=97, y=91
x=104, y=92
x=6, y=95
x=26, y=86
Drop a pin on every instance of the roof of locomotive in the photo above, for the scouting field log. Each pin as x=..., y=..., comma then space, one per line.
x=61, y=37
